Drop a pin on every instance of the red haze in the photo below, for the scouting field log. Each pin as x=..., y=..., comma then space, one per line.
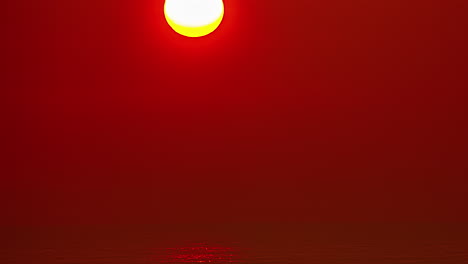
x=292, y=111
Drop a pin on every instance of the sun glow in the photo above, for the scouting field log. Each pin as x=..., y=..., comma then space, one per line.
x=194, y=18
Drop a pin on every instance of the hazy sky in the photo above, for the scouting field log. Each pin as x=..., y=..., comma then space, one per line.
x=291, y=111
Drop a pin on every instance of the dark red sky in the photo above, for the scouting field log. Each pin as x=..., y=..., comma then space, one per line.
x=291, y=111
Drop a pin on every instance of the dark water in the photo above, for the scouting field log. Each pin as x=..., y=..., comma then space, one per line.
x=252, y=244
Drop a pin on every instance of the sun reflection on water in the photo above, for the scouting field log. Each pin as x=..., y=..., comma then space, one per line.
x=198, y=253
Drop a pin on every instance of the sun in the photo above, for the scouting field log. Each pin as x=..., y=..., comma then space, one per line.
x=194, y=18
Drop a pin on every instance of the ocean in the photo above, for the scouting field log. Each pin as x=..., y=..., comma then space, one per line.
x=317, y=243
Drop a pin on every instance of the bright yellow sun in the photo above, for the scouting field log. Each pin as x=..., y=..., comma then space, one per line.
x=194, y=18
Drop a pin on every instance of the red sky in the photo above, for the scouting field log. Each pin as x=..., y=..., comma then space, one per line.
x=291, y=111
